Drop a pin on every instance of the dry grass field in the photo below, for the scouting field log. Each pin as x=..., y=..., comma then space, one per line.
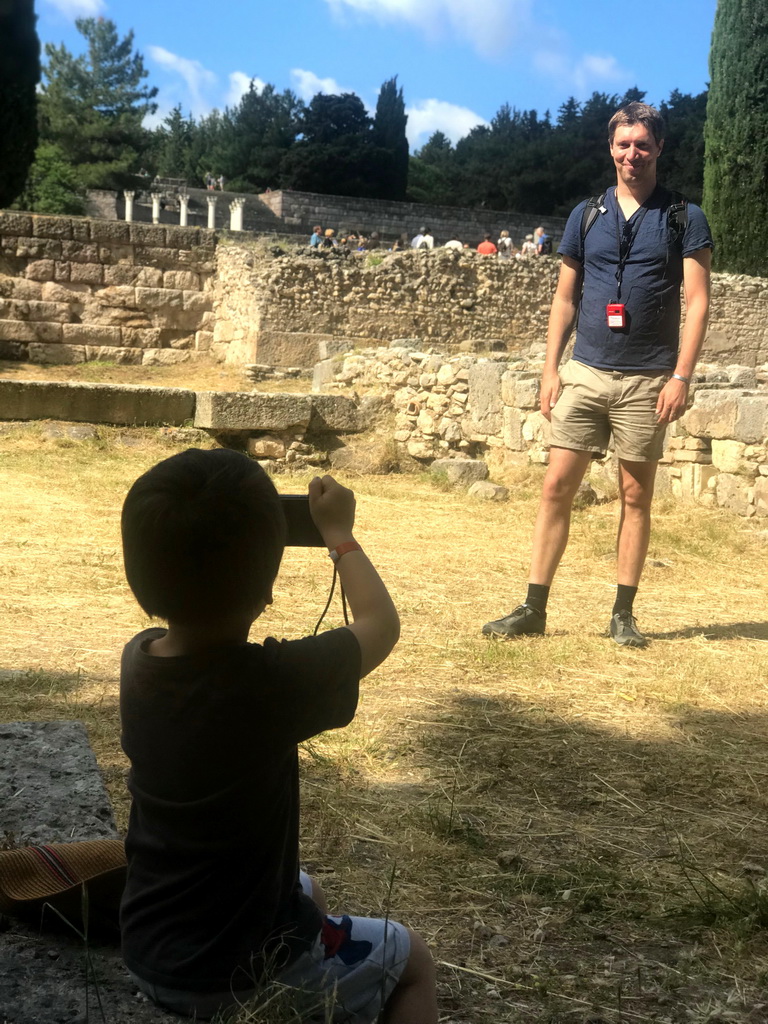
x=580, y=831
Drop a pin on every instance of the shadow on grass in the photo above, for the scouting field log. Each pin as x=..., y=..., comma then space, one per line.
x=718, y=631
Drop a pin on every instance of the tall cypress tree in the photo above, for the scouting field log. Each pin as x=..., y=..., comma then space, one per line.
x=389, y=134
x=19, y=75
x=736, y=136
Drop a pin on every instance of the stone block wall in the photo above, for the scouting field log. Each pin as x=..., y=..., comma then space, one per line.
x=75, y=289
x=345, y=213
x=284, y=309
x=488, y=407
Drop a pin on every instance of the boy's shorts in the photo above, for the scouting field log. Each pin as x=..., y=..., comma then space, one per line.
x=595, y=403
x=346, y=977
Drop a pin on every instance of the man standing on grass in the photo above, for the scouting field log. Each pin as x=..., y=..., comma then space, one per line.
x=624, y=259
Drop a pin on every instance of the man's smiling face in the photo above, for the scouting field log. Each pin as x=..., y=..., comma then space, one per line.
x=635, y=152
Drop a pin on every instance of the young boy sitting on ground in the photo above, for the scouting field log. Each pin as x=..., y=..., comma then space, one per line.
x=215, y=905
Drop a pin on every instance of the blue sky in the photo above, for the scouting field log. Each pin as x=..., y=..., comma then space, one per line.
x=457, y=61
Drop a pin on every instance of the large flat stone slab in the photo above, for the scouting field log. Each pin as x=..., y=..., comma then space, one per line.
x=241, y=410
x=121, y=404
x=51, y=791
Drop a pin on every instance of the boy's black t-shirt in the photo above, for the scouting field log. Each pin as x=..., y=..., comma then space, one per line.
x=213, y=840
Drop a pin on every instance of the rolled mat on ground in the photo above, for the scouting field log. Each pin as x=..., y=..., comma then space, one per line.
x=77, y=883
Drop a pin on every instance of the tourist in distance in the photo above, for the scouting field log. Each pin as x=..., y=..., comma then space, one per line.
x=316, y=237
x=423, y=240
x=630, y=371
x=505, y=246
x=543, y=242
x=486, y=247
x=527, y=249
x=453, y=243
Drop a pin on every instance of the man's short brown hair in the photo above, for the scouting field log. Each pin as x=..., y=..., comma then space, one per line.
x=637, y=113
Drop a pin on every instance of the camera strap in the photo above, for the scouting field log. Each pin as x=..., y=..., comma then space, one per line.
x=330, y=598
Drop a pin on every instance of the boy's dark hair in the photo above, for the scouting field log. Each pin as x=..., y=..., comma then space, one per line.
x=203, y=535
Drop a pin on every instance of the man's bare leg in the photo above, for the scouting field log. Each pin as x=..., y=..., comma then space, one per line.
x=636, y=483
x=550, y=537
x=550, y=534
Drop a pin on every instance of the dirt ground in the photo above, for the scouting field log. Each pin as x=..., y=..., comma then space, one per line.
x=579, y=831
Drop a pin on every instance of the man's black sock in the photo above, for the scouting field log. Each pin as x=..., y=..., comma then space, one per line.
x=625, y=597
x=537, y=597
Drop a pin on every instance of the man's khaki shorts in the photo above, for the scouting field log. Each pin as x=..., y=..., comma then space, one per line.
x=597, y=403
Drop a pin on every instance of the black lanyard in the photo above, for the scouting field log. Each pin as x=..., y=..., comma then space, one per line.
x=625, y=241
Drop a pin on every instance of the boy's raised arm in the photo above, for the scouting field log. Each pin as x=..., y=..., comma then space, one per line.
x=376, y=622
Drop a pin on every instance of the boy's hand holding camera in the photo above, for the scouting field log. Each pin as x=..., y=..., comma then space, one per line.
x=376, y=623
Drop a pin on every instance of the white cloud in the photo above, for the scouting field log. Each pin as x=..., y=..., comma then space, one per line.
x=592, y=68
x=488, y=25
x=72, y=9
x=307, y=84
x=428, y=116
x=196, y=78
x=590, y=73
x=239, y=84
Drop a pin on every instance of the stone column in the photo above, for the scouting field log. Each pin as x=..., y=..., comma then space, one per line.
x=211, y=211
x=183, y=209
x=129, y=205
x=236, y=212
x=156, y=197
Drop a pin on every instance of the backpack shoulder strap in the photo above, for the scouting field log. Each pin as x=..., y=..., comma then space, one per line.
x=677, y=215
x=589, y=216
x=591, y=210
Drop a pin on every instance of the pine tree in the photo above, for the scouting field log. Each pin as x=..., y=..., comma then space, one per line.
x=389, y=126
x=251, y=140
x=736, y=136
x=19, y=75
x=93, y=106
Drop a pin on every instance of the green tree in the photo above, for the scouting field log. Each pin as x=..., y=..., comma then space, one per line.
x=173, y=149
x=736, y=136
x=93, y=106
x=248, y=144
x=19, y=75
x=337, y=153
x=682, y=164
x=389, y=126
x=429, y=176
x=52, y=185
x=329, y=118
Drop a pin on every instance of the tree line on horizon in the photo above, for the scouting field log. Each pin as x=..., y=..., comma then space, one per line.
x=86, y=129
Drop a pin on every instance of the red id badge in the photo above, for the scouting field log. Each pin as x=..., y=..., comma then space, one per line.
x=616, y=314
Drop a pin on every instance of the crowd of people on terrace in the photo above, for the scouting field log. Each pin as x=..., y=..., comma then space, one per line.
x=538, y=243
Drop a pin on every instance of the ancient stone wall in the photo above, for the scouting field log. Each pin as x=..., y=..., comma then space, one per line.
x=75, y=289
x=346, y=213
x=295, y=309
x=488, y=408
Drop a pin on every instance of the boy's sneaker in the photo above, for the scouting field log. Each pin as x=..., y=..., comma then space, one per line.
x=523, y=621
x=624, y=630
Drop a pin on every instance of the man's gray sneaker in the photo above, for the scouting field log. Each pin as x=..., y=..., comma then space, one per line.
x=523, y=621
x=624, y=630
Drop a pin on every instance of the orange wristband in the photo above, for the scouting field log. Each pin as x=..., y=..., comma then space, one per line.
x=342, y=549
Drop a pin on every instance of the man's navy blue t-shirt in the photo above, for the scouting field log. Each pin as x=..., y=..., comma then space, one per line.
x=651, y=281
